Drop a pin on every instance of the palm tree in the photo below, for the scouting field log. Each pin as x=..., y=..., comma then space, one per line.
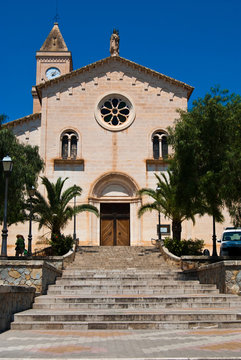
x=54, y=212
x=166, y=201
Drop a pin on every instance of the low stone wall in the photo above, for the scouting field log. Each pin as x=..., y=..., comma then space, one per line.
x=193, y=262
x=168, y=256
x=70, y=256
x=35, y=273
x=225, y=274
x=14, y=299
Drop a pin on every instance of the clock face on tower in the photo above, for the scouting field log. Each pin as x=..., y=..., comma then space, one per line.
x=52, y=73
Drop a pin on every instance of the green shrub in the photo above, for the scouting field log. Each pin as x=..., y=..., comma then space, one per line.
x=184, y=247
x=61, y=244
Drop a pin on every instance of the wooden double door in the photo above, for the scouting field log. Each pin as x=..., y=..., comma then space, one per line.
x=114, y=224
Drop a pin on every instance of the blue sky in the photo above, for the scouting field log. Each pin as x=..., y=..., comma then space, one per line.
x=197, y=42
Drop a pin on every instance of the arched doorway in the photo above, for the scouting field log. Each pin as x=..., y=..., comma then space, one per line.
x=115, y=194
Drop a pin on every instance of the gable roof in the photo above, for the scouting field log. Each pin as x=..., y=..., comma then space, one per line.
x=54, y=41
x=12, y=123
x=112, y=59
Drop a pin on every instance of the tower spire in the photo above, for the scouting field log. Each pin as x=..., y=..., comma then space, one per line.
x=54, y=41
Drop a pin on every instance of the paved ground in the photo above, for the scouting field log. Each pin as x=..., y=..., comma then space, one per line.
x=169, y=344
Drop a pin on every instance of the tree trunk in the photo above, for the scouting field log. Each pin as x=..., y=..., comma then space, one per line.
x=176, y=230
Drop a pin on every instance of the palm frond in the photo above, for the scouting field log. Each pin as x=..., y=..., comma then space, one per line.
x=148, y=208
x=147, y=191
x=69, y=194
x=55, y=211
x=59, y=187
x=87, y=207
x=50, y=188
x=166, y=199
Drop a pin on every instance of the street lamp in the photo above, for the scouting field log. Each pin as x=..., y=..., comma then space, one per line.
x=214, y=238
x=31, y=192
x=7, y=168
x=159, y=219
x=74, y=234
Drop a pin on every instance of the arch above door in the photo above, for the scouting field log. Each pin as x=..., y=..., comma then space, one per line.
x=114, y=186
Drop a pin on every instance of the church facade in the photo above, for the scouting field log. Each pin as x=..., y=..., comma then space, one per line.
x=105, y=127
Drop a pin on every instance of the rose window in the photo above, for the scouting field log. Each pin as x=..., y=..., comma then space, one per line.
x=115, y=111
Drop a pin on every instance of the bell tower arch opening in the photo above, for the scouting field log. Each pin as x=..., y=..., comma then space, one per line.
x=115, y=195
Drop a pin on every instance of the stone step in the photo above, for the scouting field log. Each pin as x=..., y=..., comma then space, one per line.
x=127, y=266
x=131, y=305
x=125, y=325
x=129, y=271
x=132, y=292
x=161, y=299
x=126, y=282
x=139, y=279
x=159, y=278
x=99, y=316
x=119, y=286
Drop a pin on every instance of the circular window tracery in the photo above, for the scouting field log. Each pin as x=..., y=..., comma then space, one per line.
x=115, y=112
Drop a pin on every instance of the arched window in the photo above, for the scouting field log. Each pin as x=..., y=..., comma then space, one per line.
x=156, y=147
x=65, y=147
x=164, y=146
x=73, y=147
x=69, y=141
x=160, y=145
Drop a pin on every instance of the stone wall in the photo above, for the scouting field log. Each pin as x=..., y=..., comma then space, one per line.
x=33, y=273
x=225, y=274
x=12, y=300
x=168, y=256
x=193, y=262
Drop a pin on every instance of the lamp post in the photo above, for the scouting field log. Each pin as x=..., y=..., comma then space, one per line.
x=214, y=237
x=31, y=194
x=159, y=219
x=7, y=168
x=74, y=234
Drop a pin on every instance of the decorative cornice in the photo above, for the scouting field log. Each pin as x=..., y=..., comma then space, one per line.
x=54, y=59
x=111, y=59
x=11, y=124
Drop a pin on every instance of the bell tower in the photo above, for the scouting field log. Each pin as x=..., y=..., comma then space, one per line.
x=53, y=60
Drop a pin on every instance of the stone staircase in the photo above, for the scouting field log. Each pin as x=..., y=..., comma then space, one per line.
x=128, y=288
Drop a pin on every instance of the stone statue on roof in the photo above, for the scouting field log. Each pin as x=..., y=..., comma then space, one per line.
x=114, y=43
